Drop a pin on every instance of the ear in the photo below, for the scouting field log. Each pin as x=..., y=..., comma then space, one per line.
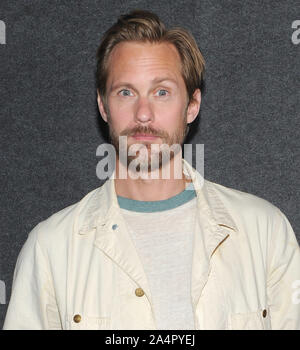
x=101, y=107
x=194, y=106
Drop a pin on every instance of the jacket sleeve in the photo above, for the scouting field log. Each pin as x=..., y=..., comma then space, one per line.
x=32, y=303
x=283, y=285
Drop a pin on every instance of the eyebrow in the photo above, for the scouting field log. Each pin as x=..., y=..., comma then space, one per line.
x=154, y=82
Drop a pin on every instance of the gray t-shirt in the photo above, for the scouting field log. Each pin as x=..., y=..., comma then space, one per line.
x=162, y=232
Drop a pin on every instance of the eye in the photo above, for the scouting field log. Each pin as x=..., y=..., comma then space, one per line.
x=162, y=92
x=125, y=92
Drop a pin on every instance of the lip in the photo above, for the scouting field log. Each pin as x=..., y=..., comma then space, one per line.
x=144, y=137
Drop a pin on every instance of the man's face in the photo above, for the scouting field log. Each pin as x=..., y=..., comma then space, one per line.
x=146, y=96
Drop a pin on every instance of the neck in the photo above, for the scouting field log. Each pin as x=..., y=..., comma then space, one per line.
x=166, y=184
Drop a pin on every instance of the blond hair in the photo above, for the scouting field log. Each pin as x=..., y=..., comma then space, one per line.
x=145, y=26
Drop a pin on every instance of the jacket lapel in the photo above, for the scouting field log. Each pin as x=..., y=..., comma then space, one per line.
x=213, y=225
x=114, y=240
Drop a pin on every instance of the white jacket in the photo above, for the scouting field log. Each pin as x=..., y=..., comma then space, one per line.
x=79, y=268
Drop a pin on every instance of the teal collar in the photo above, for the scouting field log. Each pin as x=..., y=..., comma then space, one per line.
x=154, y=206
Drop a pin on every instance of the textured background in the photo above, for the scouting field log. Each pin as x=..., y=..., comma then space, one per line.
x=50, y=124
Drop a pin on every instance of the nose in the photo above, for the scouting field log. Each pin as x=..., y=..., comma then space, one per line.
x=144, y=112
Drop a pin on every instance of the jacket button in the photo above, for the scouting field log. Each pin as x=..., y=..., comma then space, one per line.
x=77, y=318
x=139, y=292
x=264, y=313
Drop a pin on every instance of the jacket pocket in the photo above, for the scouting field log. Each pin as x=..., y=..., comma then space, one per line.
x=83, y=322
x=259, y=320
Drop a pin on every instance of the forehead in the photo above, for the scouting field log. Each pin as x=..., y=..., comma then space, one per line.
x=136, y=59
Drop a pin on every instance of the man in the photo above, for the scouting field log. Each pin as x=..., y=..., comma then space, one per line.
x=175, y=252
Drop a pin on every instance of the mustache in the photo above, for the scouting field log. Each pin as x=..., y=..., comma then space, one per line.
x=143, y=130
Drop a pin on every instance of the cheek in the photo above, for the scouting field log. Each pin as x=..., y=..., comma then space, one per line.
x=120, y=117
x=170, y=115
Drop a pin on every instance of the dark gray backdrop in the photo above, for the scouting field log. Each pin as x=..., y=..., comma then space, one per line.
x=49, y=129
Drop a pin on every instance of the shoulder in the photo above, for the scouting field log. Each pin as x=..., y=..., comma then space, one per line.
x=254, y=217
x=59, y=227
x=244, y=206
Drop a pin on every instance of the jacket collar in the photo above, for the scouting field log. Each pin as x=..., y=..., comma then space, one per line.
x=102, y=202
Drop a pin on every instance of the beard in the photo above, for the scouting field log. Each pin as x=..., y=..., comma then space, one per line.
x=149, y=157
